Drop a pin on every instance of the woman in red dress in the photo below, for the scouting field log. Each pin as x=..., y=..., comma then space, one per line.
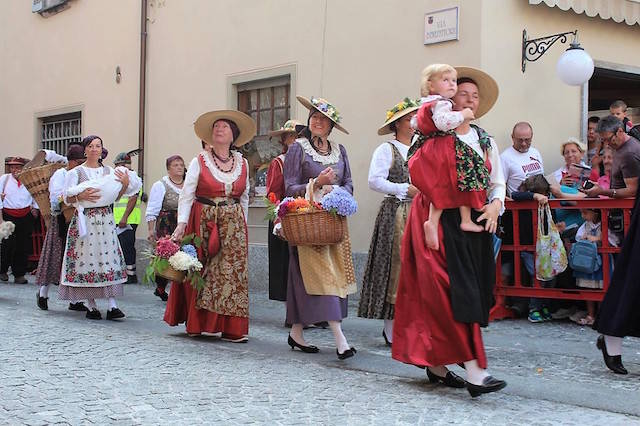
x=213, y=204
x=444, y=295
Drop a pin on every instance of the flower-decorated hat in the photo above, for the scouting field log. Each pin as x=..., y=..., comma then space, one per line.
x=399, y=110
x=487, y=87
x=203, y=126
x=326, y=108
x=290, y=126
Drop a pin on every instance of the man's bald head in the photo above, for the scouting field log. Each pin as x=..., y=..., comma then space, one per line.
x=522, y=135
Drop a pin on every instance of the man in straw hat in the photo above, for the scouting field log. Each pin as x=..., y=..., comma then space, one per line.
x=444, y=295
x=17, y=206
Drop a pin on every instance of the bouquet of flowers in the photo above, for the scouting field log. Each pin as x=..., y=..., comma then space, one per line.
x=176, y=262
x=6, y=229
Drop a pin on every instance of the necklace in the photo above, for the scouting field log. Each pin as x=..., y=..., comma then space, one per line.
x=224, y=160
x=233, y=163
x=176, y=183
x=322, y=151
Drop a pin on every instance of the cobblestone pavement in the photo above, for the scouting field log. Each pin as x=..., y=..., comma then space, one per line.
x=58, y=367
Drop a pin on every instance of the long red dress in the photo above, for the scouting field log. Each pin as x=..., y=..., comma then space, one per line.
x=425, y=332
x=439, y=155
x=181, y=306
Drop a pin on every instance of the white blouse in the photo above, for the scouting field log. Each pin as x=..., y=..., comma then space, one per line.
x=156, y=197
x=72, y=179
x=381, y=161
x=497, y=186
x=188, y=193
x=56, y=185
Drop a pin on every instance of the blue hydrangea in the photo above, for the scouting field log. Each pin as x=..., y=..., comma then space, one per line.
x=190, y=250
x=340, y=201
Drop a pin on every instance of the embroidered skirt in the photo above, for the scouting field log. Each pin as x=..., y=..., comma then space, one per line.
x=93, y=267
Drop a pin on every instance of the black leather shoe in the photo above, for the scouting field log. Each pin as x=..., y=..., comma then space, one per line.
x=306, y=349
x=4, y=277
x=132, y=279
x=94, y=314
x=614, y=363
x=114, y=313
x=163, y=296
x=386, y=341
x=489, y=384
x=451, y=379
x=346, y=354
x=78, y=306
x=42, y=302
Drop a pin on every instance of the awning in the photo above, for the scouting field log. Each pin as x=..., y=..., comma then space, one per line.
x=618, y=10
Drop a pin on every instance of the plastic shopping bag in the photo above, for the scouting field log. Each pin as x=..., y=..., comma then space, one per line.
x=551, y=257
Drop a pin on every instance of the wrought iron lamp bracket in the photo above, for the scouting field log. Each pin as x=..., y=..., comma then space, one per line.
x=532, y=50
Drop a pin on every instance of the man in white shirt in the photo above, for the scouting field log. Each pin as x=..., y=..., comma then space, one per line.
x=520, y=160
x=17, y=206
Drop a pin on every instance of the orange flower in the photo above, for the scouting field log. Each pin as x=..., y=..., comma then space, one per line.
x=272, y=197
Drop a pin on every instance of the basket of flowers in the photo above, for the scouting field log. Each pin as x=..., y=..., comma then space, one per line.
x=306, y=222
x=176, y=262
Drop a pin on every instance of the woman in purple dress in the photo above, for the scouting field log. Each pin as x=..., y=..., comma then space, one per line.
x=320, y=277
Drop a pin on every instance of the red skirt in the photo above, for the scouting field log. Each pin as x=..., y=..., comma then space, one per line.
x=438, y=156
x=425, y=332
x=181, y=307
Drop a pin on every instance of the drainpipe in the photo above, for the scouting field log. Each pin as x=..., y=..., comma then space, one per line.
x=143, y=84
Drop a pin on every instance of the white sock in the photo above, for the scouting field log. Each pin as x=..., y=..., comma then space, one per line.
x=112, y=303
x=44, y=290
x=341, y=341
x=296, y=334
x=613, y=344
x=388, y=329
x=92, y=304
x=475, y=374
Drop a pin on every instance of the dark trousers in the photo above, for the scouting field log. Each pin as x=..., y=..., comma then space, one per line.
x=128, y=245
x=15, y=249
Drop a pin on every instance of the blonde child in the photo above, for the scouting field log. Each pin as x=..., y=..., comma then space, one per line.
x=590, y=230
x=436, y=120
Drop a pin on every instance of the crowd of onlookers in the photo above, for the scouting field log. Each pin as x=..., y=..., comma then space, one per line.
x=607, y=166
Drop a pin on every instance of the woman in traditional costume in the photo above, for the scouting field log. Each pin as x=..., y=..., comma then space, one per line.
x=320, y=277
x=444, y=295
x=93, y=266
x=389, y=175
x=214, y=205
x=162, y=210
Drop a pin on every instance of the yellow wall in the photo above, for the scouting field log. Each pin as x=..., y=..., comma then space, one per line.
x=363, y=56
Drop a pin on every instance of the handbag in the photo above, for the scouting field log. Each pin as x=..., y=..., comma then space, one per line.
x=551, y=257
x=583, y=257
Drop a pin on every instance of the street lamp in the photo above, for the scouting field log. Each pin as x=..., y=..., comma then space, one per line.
x=575, y=66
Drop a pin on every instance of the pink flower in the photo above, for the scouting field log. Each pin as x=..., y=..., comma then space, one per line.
x=166, y=248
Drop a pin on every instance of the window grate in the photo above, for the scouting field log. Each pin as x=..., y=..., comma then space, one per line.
x=58, y=134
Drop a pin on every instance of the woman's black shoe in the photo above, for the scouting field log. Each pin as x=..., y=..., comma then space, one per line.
x=386, y=341
x=78, y=306
x=346, y=354
x=164, y=296
x=614, y=363
x=42, y=302
x=451, y=379
x=114, y=313
x=306, y=349
x=94, y=314
x=489, y=384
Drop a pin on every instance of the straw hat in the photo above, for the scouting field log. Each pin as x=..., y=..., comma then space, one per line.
x=203, y=126
x=290, y=126
x=323, y=106
x=399, y=110
x=581, y=146
x=487, y=87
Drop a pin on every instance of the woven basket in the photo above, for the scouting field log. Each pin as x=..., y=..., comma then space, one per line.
x=172, y=275
x=314, y=228
x=36, y=180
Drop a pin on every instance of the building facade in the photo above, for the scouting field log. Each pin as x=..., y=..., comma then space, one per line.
x=76, y=71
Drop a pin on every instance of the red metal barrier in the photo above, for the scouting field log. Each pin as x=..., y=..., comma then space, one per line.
x=502, y=290
x=37, y=239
